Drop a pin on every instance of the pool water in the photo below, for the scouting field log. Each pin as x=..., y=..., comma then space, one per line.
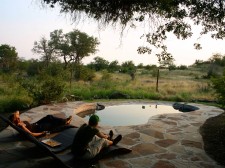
x=132, y=114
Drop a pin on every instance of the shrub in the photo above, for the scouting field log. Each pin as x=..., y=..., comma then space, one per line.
x=12, y=103
x=218, y=84
x=84, y=73
x=34, y=68
x=182, y=67
x=56, y=70
x=44, y=91
x=172, y=67
x=118, y=95
x=213, y=71
x=51, y=90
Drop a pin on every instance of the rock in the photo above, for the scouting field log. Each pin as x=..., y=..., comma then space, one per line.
x=184, y=107
x=100, y=106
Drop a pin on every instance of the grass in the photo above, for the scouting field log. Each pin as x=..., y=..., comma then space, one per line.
x=173, y=86
x=176, y=85
x=12, y=96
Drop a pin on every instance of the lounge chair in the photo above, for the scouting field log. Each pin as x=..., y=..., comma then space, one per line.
x=65, y=137
x=66, y=159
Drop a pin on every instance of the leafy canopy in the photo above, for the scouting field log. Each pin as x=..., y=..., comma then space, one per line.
x=8, y=57
x=163, y=15
x=72, y=46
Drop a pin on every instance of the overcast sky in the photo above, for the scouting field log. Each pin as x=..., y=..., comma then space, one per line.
x=25, y=21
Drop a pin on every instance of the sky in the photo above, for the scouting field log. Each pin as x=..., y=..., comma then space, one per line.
x=26, y=21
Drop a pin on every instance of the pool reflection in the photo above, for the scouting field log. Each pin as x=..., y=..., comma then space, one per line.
x=132, y=114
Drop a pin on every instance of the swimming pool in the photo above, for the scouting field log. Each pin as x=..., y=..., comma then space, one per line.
x=131, y=114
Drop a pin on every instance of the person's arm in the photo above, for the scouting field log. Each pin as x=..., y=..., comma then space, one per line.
x=23, y=126
x=102, y=135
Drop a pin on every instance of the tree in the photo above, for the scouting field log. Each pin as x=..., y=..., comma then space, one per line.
x=8, y=57
x=113, y=66
x=34, y=67
x=198, y=62
x=44, y=47
x=217, y=59
x=166, y=63
x=73, y=46
x=129, y=68
x=164, y=16
x=140, y=65
x=81, y=45
x=99, y=64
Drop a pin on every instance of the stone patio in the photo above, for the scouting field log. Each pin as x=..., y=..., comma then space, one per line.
x=165, y=141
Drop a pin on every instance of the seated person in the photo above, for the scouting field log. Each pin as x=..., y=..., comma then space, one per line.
x=47, y=123
x=89, y=141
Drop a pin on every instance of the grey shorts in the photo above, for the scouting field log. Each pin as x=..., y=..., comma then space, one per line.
x=94, y=147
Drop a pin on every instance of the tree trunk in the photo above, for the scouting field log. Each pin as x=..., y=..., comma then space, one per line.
x=157, y=81
x=71, y=77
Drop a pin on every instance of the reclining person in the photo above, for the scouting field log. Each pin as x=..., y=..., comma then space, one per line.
x=47, y=123
x=89, y=141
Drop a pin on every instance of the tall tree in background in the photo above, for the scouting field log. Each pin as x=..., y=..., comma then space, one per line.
x=162, y=16
x=73, y=46
x=45, y=49
x=129, y=68
x=113, y=66
x=61, y=46
x=81, y=45
x=99, y=64
x=8, y=57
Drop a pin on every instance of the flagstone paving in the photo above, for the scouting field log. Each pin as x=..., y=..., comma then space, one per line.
x=165, y=141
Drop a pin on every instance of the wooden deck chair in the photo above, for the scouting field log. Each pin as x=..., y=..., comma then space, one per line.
x=67, y=160
x=65, y=137
x=35, y=141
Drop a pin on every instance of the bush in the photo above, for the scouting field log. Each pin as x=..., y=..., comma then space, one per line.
x=218, y=84
x=172, y=67
x=118, y=95
x=11, y=104
x=56, y=70
x=51, y=90
x=45, y=91
x=34, y=68
x=84, y=73
x=182, y=67
x=213, y=71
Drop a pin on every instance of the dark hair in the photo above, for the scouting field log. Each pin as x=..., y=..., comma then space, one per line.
x=93, y=120
x=11, y=117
